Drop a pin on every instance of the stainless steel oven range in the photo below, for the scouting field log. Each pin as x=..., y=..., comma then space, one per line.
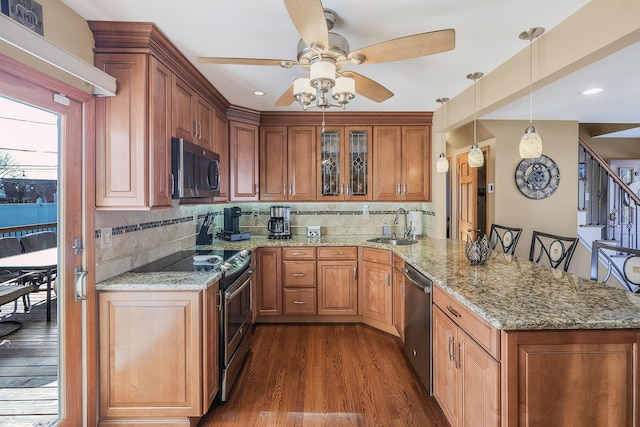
x=236, y=289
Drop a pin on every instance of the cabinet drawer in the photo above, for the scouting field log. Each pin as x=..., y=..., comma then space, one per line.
x=300, y=301
x=398, y=262
x=299, y=253
x=338, y=252
x=299, y=273
x=376, y=255
x=479, y=329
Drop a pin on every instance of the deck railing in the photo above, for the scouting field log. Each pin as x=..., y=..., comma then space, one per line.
x=21, y=230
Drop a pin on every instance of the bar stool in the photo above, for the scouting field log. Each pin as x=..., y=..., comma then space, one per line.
x=623, y=262
x=507, y=237
x=556, y=250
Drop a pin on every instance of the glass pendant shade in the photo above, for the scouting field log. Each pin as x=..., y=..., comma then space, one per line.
x=476, y=157
x=530, y=144
x=442, y=165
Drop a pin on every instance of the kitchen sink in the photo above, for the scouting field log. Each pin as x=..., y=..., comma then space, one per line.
x=390, y=241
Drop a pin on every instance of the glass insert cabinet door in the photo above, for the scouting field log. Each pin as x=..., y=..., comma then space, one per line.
x=345, y=164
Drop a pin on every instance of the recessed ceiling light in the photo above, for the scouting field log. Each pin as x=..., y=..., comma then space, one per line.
x=258, y=93
x=592, y=91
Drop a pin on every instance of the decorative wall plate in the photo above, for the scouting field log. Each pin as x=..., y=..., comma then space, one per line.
x=537, y=178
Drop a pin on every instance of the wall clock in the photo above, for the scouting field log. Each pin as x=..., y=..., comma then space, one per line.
x=537, y=178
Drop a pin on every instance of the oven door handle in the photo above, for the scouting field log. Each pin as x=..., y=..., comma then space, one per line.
x=244, y=279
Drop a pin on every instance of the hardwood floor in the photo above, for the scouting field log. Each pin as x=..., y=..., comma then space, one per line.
x=326, y=375
x=29, y=366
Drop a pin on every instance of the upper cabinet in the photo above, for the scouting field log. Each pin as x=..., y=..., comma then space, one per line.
x=133, y=156
x=192, y=115
x=160, y=95
x=221, y=146
x=344, y=162
x=243, y=154
x=288, y=163
x=402, y=163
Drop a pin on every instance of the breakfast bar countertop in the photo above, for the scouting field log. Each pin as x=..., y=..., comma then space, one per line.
x=509, y=292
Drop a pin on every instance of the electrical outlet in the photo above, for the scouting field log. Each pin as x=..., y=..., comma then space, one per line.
x=105, y=238
x=195, y=218
x=254, y=213
x=365, y=211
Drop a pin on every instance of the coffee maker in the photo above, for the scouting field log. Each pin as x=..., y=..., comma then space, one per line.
x=280, y=222
x=231, y=225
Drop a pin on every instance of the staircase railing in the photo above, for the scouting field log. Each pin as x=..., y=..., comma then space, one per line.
x=607, y=198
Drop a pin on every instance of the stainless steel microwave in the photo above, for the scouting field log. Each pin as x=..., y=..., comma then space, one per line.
x=195, y=170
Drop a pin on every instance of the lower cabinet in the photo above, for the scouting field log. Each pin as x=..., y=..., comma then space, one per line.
x=376, y=285
x=398, y=295
x=268, y=277
x=338, y=280
x=158, y=356
x=466, y=377
x=299, y=281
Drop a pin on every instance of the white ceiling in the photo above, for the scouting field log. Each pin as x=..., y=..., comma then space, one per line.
x=486, y=36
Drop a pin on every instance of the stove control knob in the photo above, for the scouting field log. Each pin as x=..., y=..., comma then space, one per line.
x=225, y=266
x=244, y=253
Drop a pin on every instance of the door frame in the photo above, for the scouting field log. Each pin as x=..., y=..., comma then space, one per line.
x=77, y=330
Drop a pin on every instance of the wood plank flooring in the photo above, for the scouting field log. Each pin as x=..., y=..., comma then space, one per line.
x=29, y=366
x=326, y=375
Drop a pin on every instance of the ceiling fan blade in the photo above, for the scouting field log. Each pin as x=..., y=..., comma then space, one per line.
x=247, y=61
x=369, y=88
x=286, y=98
x=408, y=47
x=308, y=18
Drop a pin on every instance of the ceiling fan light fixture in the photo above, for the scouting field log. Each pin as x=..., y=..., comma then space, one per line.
x=303, y=92
x=530, y=146
x=344, y=90
x=322, y=75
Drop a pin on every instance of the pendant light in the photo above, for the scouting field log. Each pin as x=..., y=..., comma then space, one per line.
x=531, y=143
x=475, y=157
x=442, y=165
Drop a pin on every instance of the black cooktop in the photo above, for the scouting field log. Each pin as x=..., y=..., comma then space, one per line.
x=191, y=260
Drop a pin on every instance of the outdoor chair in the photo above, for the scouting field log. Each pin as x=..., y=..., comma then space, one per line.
x=39, y=240
x=552, y=249
x=12, y=283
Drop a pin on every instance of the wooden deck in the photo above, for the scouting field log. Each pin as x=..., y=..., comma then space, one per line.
x=29, y=366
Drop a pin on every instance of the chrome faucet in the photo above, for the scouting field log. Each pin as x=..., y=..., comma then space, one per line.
x=407, y=228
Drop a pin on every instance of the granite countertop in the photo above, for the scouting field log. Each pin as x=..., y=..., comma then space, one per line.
x=509, y=292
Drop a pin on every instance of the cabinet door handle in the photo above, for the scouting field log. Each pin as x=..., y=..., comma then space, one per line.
x=195, y=128
x=299, y=302
x=458, y=355
x=298, y=274
x=450, y=347
x=452, y=311
x=405, y=188
x=284, y=189
x=298, y=253
x=257, y=189
x=355, y=273
x=398, y=189
x=337, y=253
x=291, y=189
x=388, y=281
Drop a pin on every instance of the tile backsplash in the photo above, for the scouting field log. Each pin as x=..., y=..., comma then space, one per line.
x=141, y=237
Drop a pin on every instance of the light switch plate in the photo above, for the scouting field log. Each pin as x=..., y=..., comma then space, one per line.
x=105, y=238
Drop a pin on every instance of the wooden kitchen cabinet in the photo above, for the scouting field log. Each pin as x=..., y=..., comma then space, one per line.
x=221, y=146
x=299, y=281
x=571, y=378
x=243, y=155
x=466, y=378
x=268, y=279
x=375, y=285
x=344, y=163
x=158, y=355
x=133, y=134
x=338, y=280
x=192, y=116
x=401, y=163
x=287, y=163
x=398, y=295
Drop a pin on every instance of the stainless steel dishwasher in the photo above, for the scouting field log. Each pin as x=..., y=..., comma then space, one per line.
x=417, y=326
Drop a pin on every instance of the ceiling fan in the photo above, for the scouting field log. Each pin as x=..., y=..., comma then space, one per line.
x=320, y=45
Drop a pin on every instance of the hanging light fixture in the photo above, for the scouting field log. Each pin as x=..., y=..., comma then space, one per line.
x=475, y=157
x=531, y=143
x=442, y=165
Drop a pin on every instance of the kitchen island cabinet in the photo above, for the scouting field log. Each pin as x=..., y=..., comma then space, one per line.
x=159, y=359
